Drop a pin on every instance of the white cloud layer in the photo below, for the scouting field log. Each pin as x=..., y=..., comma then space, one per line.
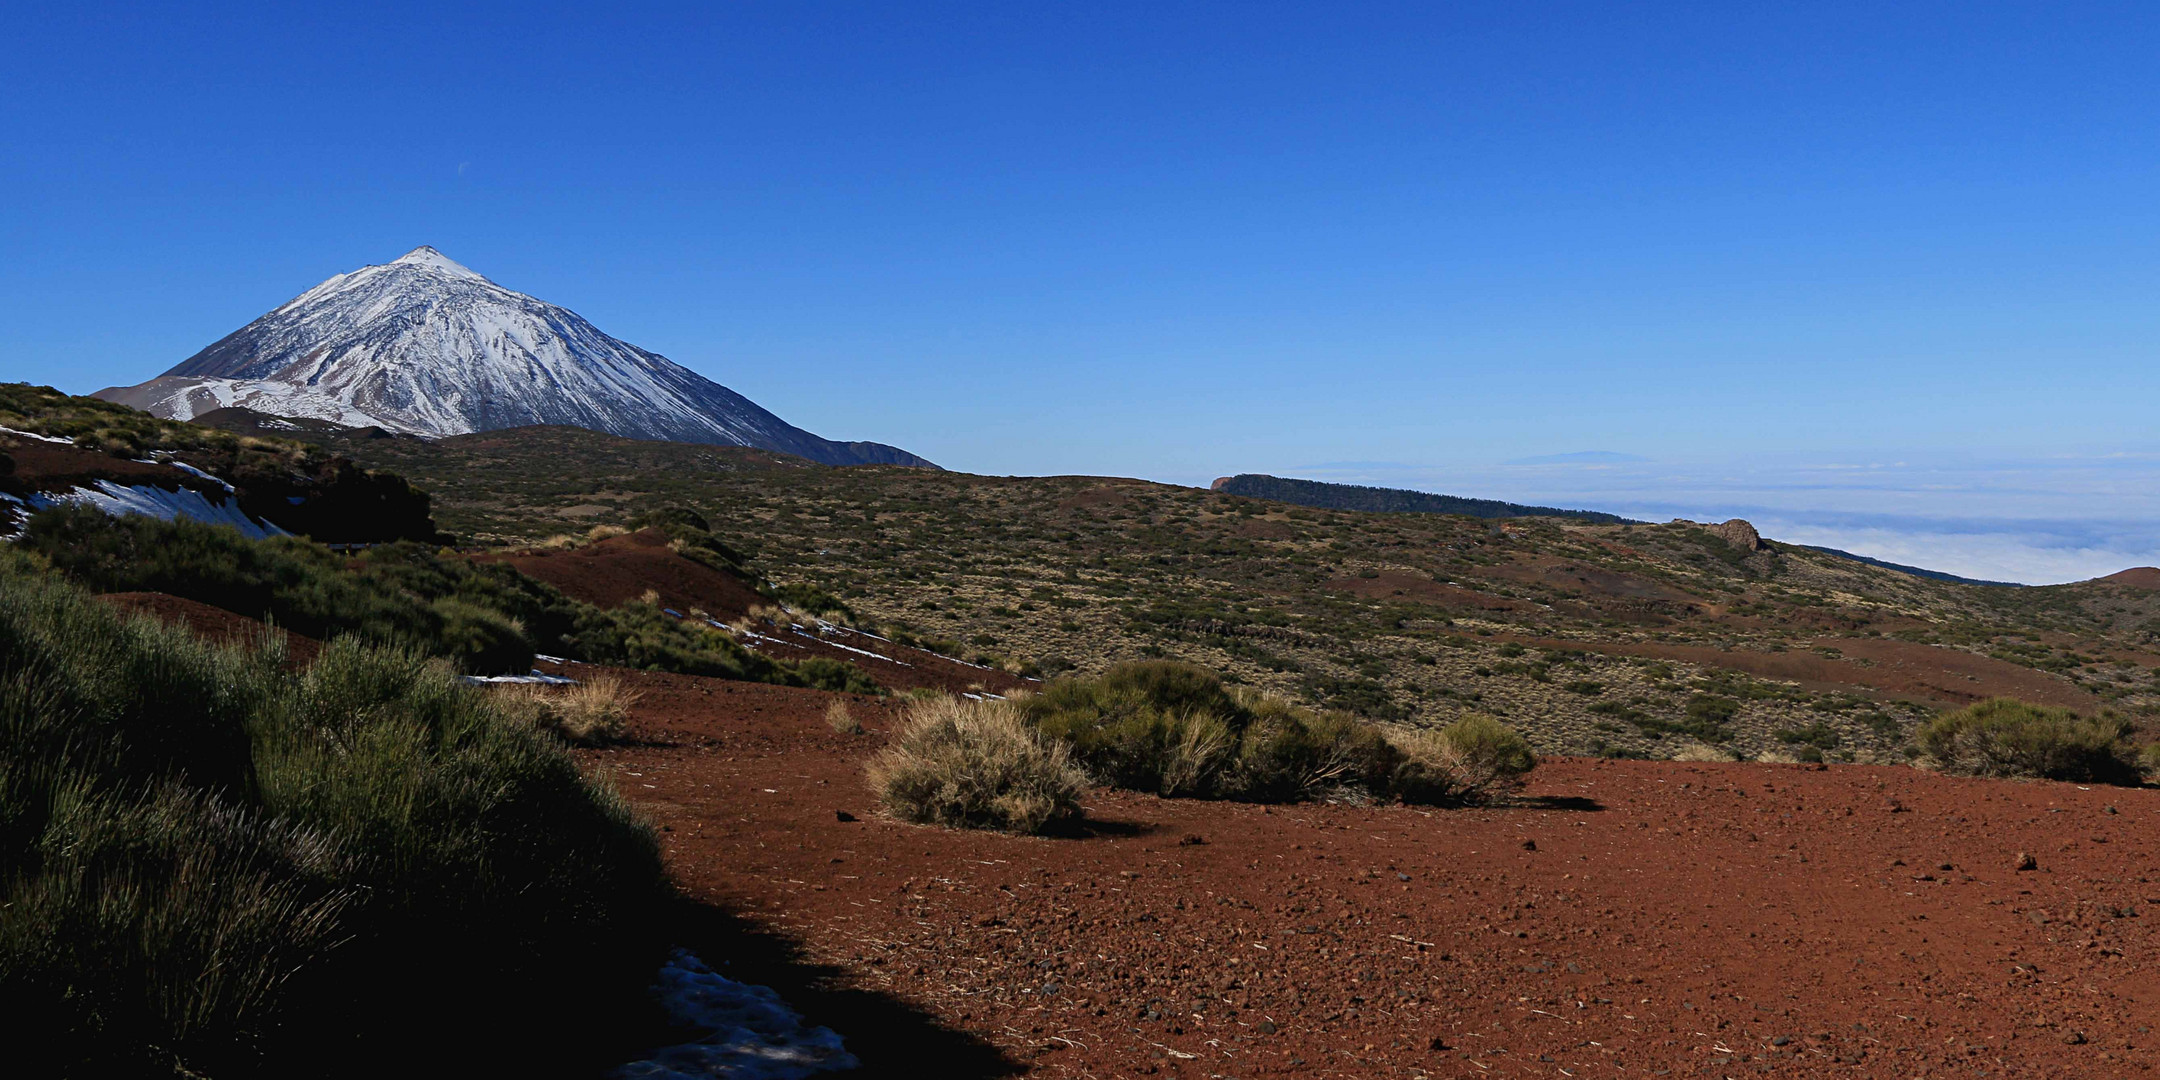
x=2036, y=521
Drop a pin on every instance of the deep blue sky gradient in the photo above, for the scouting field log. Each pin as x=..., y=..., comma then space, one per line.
x=1167, y=240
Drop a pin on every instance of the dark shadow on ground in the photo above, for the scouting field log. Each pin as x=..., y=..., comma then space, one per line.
x=1086, y=828
x=889, y=1036
x=1558, y=802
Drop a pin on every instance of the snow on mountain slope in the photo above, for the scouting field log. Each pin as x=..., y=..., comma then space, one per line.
x=426, y=346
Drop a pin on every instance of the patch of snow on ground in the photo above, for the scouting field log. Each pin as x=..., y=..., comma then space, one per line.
x=536, y=678
x=118, y=499
x=38, y=437
x=218, y=480
x=754, y=1034
x=853, y=649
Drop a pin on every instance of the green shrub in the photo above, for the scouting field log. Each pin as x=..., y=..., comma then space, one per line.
x=1287, y=754
x=1176, y=730
x=2007, y=737
x=975, y=765
x=1489, y=755
x=218, y=867
x=480, y=639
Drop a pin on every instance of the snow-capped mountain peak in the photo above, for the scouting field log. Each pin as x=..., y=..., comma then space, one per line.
x=426, y=346
x=427, y=258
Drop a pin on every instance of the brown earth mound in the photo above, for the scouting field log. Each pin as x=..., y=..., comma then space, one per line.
x=2143, y=577
x=1626, y=918
x=620, y=569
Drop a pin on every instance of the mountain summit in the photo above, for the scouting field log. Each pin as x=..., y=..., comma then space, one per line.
x=424, y=346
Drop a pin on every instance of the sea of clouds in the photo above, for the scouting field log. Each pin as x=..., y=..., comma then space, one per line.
x=2036, y=521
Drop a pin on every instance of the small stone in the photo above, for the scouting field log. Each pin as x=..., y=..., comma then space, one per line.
x=1529, y=845
x=2073, y=1038
x=2108, y=809
x=1782, y=1040
x=1402, y=877
x=2025, y=861
x=844, y=816
x=1192, y=840
x=1266, y=1027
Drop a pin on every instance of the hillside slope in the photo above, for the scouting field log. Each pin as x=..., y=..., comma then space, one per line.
x=1324, y=496
x=1631, y=640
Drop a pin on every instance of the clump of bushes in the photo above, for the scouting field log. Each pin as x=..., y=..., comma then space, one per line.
x=484, y=617
x=216, y=866
x=2007, y=737
x=976, y=765
x=1176, y=730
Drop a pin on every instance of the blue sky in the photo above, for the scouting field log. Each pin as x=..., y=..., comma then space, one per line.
x=1184, y=240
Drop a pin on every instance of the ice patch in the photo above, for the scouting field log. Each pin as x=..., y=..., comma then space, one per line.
x=218, y=480
x=754, y=1034
x=38, y=437
x=536, y=678
x=117, y=500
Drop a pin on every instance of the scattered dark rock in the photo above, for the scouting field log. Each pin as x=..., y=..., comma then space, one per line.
x=845, y=816
x=2025, y=861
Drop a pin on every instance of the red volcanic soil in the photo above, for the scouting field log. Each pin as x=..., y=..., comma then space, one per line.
x=1624, y=918
x=212, y=623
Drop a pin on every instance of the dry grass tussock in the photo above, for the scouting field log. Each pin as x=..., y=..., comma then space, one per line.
x=976, y=765
x=1475, y=759
x=1702, y=752
x=838, y=718
x=593, y=713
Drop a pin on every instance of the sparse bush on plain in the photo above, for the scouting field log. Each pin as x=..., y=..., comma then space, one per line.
x=968, y=764
x=2007, y=737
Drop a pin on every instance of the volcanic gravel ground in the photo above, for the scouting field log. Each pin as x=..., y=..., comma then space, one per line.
x=1628, y=918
